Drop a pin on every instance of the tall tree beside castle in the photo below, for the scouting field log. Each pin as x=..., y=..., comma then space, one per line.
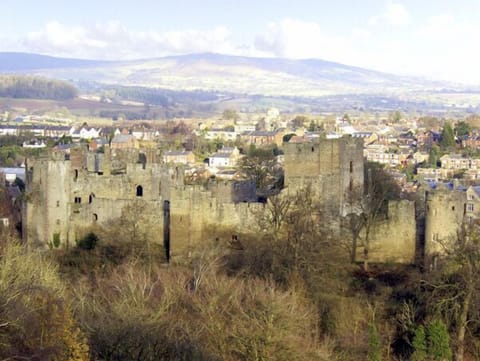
x=458, y=285
x=379, y=189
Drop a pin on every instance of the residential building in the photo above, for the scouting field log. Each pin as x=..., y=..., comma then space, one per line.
x=179, y=156
x=124, y=141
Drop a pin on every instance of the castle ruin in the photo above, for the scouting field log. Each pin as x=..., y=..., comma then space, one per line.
x=67, y=193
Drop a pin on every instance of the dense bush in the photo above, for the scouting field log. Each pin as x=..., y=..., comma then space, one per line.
x=172, y=314
x=35, y=320
x=88, y=242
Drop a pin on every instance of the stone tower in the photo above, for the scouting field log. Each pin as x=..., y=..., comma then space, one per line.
x=333, y=168
x=444, y=214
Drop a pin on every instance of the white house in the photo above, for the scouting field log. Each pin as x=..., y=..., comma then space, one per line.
x=85, y=133
x=225, y=157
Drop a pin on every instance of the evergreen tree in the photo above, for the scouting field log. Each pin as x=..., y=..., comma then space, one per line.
x=463, y=129
x=448, y=137
x=420, y=345
x=434, y=156
x=374, y=344
x=438, y=341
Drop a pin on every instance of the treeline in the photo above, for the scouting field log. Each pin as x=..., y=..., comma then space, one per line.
x=163, y=97
x=151, y=96
x=33, y=87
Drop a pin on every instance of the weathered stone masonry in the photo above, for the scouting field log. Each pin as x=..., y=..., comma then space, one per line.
x=68, y=193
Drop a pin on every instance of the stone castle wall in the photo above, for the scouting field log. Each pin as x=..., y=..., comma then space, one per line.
x=69, y=194
x=393, y=239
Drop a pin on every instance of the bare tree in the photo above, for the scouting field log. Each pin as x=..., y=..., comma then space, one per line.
x=273, y=217
x=260, y=165
x=456, y=293
x=372, y=207
x=295, y=240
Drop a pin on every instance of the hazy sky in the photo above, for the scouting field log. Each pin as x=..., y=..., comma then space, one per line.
x=433, y=38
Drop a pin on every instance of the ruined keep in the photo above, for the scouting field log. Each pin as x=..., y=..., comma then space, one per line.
x=333, y=171
x=331, y=168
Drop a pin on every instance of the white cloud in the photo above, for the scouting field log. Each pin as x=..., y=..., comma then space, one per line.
x=440, y=46
x=395, y=14
x=292, y=38
x=112, y=40
x=449, y=48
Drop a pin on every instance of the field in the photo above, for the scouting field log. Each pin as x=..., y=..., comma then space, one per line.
x=81, y=110
x=77, y=106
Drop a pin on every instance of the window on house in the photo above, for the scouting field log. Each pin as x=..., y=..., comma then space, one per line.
x=78, y=200
x=95, y=217
x=351, y=167
x=470, y=197
x=470, y=207
x=90, y=198
x=76, y=174
x=139, y=191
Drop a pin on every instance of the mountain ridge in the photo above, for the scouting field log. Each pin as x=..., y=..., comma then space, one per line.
x=213, y=71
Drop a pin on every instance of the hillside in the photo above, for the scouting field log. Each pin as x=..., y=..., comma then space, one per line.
x=24, y=62
x=244, y=75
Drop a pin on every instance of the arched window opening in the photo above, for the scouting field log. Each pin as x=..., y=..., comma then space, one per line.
x=76, y=174
x=90, y=198
x=95, y=217
x=139, y=191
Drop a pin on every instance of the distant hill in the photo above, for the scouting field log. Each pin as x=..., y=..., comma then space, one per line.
x=236, y=74
x=20, y=62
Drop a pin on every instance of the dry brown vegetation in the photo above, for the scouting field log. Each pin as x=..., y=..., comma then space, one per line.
x=166, y=315
x=287, y=295
x=36, y=322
